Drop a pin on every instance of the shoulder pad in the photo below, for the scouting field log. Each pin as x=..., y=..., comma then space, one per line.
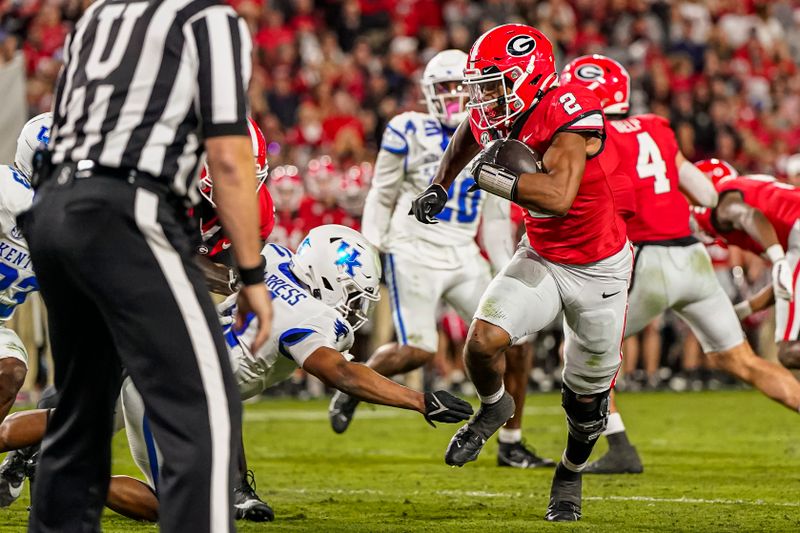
x=275, y=253
x=400, y=129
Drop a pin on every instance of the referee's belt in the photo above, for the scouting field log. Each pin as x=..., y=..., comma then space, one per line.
x=86, y=168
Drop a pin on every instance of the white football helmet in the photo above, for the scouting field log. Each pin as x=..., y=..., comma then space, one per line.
x=445, y=102
x=35, y=132
x=342, y=270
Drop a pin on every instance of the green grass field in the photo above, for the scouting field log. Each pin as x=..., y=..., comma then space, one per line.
x=722, y=461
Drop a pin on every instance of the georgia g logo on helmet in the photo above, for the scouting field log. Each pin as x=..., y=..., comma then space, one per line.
x=589, y=72
x=521, y=45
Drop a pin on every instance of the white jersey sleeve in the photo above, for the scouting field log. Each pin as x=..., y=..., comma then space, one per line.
x=384, y=190
x=301, y=325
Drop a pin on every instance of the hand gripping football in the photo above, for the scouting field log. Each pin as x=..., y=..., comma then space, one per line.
x=517, y=157
x=500, y=165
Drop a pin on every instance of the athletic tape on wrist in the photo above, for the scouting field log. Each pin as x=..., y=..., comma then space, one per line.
x=498, y=181
x=775, y=253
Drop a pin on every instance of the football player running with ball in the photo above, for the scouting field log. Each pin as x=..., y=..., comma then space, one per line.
x=672, y=268
x=576, y=257
x=426, y=264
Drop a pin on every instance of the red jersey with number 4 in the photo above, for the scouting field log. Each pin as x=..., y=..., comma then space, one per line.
x=593, y=228
x=648, y=148
x=780, y=202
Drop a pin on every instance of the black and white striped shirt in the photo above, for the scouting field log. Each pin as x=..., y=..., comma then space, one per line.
x=145, y=81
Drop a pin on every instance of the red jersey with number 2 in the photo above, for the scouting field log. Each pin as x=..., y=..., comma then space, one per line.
x=648, y=149
x=593, y=228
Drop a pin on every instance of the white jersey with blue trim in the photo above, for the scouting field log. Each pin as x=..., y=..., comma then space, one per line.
x=411, y=151
x=17, y=278
x=301, y=324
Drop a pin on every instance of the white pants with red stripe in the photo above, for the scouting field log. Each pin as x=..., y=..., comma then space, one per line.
x=530, y=291
x=787, y=312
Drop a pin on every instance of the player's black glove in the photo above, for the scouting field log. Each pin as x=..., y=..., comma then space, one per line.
x=441, y=406
x=429, y=203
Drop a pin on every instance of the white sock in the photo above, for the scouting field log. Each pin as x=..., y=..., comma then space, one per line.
x=569, y=465
x=615, y=424
x=509, y=436
x=493, y=398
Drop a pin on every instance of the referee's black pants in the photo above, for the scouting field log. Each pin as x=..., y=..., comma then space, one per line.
x=114, y=264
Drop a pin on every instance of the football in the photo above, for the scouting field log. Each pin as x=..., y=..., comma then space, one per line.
x=517, y=157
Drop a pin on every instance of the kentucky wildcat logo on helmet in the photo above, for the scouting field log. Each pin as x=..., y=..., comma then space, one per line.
x=342, y=270
x=509, y=68
x=606, y=78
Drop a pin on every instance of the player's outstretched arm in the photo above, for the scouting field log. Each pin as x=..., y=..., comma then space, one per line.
x=460, y=151
x=732, y=213
x=554, y=190
x=362, y=382
x=694, y=184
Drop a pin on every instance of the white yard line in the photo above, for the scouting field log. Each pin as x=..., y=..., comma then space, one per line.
x=486, y=494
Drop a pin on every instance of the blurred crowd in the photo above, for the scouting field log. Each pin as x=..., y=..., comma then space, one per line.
x=329, y=74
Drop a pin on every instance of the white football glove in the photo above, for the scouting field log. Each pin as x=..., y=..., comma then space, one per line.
x=781, y=272
x=782, y=279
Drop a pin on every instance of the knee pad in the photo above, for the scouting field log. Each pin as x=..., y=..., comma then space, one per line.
x=586, y=420
x=597, y=330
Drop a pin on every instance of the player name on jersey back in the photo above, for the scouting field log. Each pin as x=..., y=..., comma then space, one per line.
x=301, y=324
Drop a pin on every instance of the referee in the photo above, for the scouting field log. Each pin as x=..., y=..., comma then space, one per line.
x=146, y=86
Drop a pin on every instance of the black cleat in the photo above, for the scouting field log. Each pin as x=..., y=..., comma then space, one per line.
x=518, y=455
x=341, y=411
x=12, y=477
x=565, y=496
x=247, y=505
x=621, y=459
x=467, y=443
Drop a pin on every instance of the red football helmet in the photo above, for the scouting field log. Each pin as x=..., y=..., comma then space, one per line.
x=286, y=188
x=322, y=178
x=605, y=78
x=508, y=70
x=717, y=170
x=206, y=183
x=353, y=188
